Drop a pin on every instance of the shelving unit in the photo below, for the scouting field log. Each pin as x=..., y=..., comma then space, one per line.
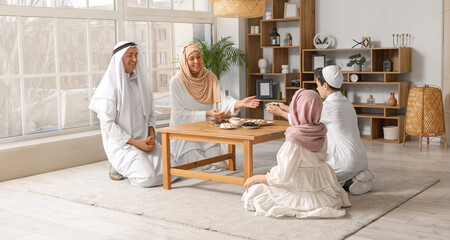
x=379, y=115
x=280, y=54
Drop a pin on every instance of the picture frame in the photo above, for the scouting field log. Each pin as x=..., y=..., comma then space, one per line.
x=264, y=89
x=318, y=61
x=291, y=10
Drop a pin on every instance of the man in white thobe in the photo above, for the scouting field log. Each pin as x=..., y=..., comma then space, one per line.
x=124, y=104
x=346, y=152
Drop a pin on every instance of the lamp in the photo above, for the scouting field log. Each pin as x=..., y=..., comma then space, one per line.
x=425, y=114
x=239, y=8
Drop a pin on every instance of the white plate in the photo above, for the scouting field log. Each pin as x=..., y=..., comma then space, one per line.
x=228, y=128
x=262, y=124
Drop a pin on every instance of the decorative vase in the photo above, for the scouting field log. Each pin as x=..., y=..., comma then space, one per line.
x=262, y=64
x=268, y=15
x=357, y=68
x=392, y=101
x=284, y=68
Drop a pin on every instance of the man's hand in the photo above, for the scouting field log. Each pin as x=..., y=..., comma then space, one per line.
x=145, y=145
x=215, y=113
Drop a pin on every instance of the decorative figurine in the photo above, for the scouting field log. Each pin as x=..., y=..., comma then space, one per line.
x=371, y=100
x=274, y=38
x=288, y=40
x=262, y=64
x=365, y=42
x=387, y=65
x=392, y=101
x=268, y=15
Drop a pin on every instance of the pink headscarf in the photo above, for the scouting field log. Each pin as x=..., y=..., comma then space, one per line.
x=306, y=130
x=204, y=88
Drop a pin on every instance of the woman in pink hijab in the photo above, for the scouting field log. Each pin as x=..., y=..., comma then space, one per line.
x=302, y=184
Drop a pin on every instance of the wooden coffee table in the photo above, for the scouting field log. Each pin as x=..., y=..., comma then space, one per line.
x=207, y=132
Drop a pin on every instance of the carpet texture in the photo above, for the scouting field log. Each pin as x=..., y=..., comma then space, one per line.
x=217, y=206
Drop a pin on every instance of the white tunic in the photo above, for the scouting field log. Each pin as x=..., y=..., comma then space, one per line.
x=346, y=152
x=301, y=185
x=185, y=109
x=141, y=168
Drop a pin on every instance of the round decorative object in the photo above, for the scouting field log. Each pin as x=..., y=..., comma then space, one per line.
x=262, y=64
x=268, y=15
x=284, y=68
x=322, y=41
x=354, y=77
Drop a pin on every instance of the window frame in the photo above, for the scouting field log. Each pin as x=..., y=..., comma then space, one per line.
x=120, y=14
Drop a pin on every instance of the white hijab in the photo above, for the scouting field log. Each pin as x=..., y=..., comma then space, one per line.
x=111, y=93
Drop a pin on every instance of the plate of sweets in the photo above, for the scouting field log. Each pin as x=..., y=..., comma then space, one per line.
x=272, y=104
x=250, y=125
x=261, y=122
x=228, y=126
x=217, y=123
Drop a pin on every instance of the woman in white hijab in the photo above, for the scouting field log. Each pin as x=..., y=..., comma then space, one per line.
x=195, y=95
x=124, y=104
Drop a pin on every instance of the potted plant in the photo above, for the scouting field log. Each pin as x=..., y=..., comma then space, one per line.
x=219, y=56
x=356, y=61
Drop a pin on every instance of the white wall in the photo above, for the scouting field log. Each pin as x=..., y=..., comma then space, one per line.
x=379, y=19
x=235, y=79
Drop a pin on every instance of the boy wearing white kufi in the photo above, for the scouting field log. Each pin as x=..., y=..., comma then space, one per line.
x=346, y=152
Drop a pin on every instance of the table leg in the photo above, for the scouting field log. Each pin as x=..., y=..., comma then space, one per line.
x=166, y=160
x=248, y=159
x=232, y=160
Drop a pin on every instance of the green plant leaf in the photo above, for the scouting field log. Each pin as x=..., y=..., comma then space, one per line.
x=219, y=56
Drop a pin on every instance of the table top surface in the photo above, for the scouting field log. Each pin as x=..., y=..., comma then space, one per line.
x=207, y=129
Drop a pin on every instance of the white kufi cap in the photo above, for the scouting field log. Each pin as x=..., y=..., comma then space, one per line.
x=333, y=76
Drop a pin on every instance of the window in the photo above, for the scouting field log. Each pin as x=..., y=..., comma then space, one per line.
x=50, y=65
x=161, y=34
x=162, y=58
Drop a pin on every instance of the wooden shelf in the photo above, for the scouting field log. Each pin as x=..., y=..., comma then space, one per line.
x=378, y=115
x=401, y=59
x=272, y=100
x=271, y=74
x=281, y=55
x=365, y=105
x=280, y=46
x=281, y=20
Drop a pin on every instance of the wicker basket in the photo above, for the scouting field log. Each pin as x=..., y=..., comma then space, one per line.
x=239, y=8
x=425, y=114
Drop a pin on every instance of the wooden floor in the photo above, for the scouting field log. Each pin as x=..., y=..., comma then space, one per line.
x=28, y=216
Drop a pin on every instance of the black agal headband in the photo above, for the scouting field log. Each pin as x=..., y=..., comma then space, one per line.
x=129, y=44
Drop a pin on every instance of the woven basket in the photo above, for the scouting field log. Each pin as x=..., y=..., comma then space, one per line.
x=239, y=8
x=425, y=112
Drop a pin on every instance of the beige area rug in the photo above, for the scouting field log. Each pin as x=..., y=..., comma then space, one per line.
x=217, y=206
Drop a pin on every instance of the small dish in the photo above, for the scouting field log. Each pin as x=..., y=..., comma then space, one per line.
x=237, y=121
x=272, y=104
x=228, y=126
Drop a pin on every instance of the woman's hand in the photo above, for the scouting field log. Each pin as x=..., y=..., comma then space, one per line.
x=249, y=102
x=215, y=113
x=254, y=180
x=277, y=111
x=145, y=145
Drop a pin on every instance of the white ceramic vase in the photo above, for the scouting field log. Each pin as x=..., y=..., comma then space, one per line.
x=262, y=64
x=268, y=15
